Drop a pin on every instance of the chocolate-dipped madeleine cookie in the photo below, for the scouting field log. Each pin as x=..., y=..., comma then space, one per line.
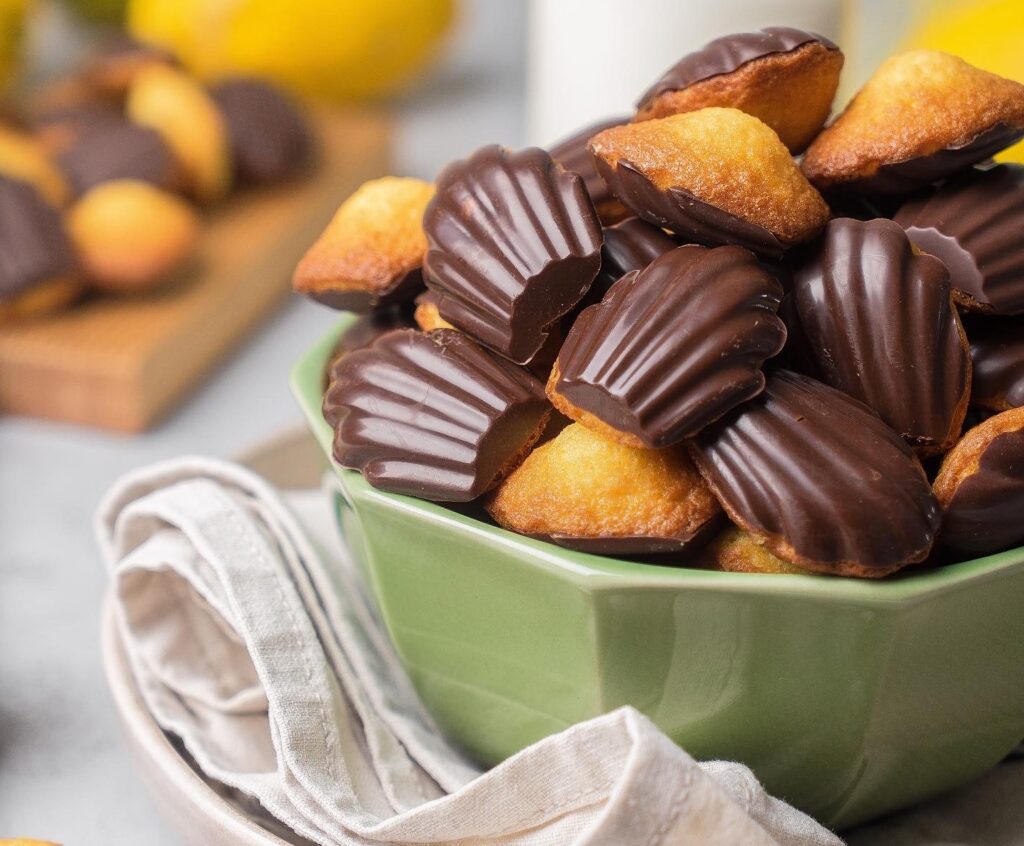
x=371, y=253
x=737, y=551
x=975, y=224
x=782, y=76
x=671, y=348
x=117, y=150
x=922, y=116
x=584, y=491
x=572, y=154
x=514, y=244
x=821, y=479
x=432, y=414
x=367, y=329
x=981, y=487
x=997, y=357
x=878, y=322
x=715, y=176
x=630, y=244
x=36, y=260
x=270, y=141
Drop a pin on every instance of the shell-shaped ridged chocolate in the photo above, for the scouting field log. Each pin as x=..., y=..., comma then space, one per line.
x=688, y=216
x=630, y=244
x=726, y=54
x=878, y=322
x=672, y=348
x=906, y=177
x=513, y=244
x=118, y=150
x=33, y=245
x=997, y=357
x=975, y=224
x=818, y=475
x=432, y=415
x=572, y=154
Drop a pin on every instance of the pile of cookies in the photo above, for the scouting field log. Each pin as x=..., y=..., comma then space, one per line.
x=718, y=332
x=100, y=173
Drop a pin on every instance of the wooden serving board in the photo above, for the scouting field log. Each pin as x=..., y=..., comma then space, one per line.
x=122, y=362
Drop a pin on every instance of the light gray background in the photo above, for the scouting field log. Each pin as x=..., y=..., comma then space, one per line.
x=65, y=774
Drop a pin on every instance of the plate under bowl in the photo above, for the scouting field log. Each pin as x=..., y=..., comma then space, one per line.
x=847, y=698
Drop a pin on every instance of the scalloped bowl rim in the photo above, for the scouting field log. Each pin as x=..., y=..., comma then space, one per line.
x=596, y=571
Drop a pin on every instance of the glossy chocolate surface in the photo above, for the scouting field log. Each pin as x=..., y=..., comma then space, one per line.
x=432, y=414
x=878, y=323
x=513, y=244
x=117, y=150
x=726, y=54
x=997, y=354
x=572, y=154
x=674, y=347
x=975, y=224
x=33, y=245
x=818, y=474
x=630, y=244
x=270, y=140
x=679, y=211
x=402, y=290
x=984, y=515
x=901, y=178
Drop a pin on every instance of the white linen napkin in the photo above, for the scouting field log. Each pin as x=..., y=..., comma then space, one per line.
x=252, y=640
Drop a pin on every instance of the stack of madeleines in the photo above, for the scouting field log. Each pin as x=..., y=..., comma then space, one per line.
x=668, y=337
x=100, y=170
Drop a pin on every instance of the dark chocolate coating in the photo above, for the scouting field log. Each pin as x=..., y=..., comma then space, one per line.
x=572, y=154
x=367, y=329
x=431, y=415
x=984, y=515
x=727, y=54
x=404, y=289
x=33, y=245
x=117, y=150
x=829, y=485
x=630, y=244
x=270, y=141
x=513, y=244
x=679, y=211
x=975, y=224
x=906, y=177
x=879, y=324
x=640, y=544
x=672, y=348
x=997, y=354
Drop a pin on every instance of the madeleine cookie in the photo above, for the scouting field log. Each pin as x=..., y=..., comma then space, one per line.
x=117, y=150
x=715, y=176
x=630, y=244
x=130, y=235
x=671, y=348
x=820, y=479
x=24, y=158
x=997, y=358
x=981, y=487
x=975, y=224
x=180, y=109
x=371, y=253
x=584, y=491
x=572, y=154
x=270, y=140
x=432, y=414
x=737, y=551
x=513, y=244
x=922, y=116
x=782, y=76
x=877, y=321
x=36, y=260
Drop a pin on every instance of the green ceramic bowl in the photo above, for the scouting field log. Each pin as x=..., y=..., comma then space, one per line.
x=847, y=698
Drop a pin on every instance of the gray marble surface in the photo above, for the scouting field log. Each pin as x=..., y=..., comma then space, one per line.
x=65, y=774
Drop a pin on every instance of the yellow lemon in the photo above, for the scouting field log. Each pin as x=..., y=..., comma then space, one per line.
x=339, y=49
x=986, y=33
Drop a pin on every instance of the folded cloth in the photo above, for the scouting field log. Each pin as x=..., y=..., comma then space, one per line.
x=252, y=640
